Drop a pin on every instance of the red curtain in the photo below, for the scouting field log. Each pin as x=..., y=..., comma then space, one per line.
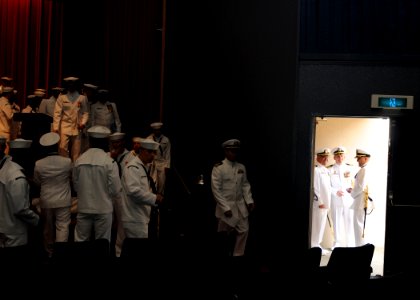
x=29, y=30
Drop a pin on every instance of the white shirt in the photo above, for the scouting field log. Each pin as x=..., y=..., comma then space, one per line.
x=96, y=181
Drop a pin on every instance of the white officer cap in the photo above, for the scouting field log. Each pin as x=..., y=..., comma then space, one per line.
x=89, y=85
x=57, y=88
x=31, y=96
x=339, y=150
x=99, y=132
x=49, y=139
x=7, y=89
x=39, y=93
x=20, y=143
x=156, y=125
x=2, y=140
x=136, y=139
x=6, y=78
x=70, y=79
x=103, y=91
x=361, y=153
x=323, y=152
x=149, y=144
x=117, y=136
x=232, y=144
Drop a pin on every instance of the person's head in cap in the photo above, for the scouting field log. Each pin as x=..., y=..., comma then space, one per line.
x=98, y=137
x=148, y=150
x=90, y=91
x=7, y=90
x=322, y=155
x=116, y=144
x=362, y=157
x=5, y=81
x=136, y=141
x=40, y=93
x=103, y=95
x=156, y=128
x=71, y=83
x=49, y=141
x=231, y=148
x=20, y=150
x=56, y=91
x=339, y=154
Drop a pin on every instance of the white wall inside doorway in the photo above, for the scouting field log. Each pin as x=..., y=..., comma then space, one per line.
x=370, y=134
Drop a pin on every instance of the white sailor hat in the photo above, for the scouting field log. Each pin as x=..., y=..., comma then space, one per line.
x=39, y=93
x=57, y=88
x=99, y=131
x=323, y=152
x=156, y=125
x=136, y=139
x=70, y=79
x=31, y=96
x=20, y=143
x=91, y=86
x=149, y=144
x=49, y=139
x=361, y=153
x=2, y=140
x=232, y=144
x=6, y=78
x=117, y=136
x=339, y=150
x=103, y=91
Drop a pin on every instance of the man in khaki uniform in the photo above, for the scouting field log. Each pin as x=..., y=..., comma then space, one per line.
x=71, y=114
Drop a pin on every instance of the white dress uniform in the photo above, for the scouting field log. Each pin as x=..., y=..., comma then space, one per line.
x=105, y=114
x=161, y=162
x=15, y=212
x=360, y=196
x=341, y=215
x=232, y=191
x=71, y=111
x=53, y=174
x=97, y=183
x=138, y=199
x=122, y=159
x=322, y=195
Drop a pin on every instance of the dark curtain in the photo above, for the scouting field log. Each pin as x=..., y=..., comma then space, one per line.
x=117, y=45
x=30, y=35
x=369, y=27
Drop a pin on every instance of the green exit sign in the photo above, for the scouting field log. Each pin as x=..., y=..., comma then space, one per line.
x=392, y=101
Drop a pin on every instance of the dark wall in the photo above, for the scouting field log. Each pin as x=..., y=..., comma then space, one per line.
x=231, y=73
x=344, y=89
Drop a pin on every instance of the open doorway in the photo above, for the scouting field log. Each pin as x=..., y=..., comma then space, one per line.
x=371, y=134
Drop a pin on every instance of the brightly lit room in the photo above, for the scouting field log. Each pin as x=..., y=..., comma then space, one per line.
x=372, y=135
